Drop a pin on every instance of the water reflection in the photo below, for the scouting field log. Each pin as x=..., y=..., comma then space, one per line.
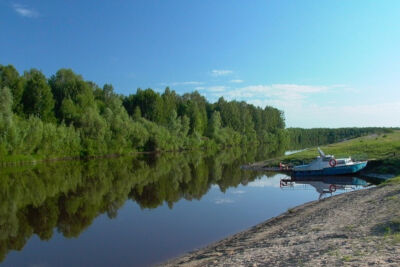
x=68, y=196
x=324, y=185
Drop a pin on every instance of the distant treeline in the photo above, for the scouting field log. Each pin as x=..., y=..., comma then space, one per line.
x=65, y=115
x=302, y=138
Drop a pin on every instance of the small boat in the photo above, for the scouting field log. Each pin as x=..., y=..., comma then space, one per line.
x=328, y=165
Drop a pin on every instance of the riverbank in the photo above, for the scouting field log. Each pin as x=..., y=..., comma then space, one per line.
x=358, y=228
x=20, y=160
x=381, y=150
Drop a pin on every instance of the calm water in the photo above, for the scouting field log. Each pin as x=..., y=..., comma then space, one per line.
x=138, y=212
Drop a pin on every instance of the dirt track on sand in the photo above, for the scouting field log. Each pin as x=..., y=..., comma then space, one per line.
x=350, y=229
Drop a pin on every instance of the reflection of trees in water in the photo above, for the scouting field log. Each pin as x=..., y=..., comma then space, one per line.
x=68, y=196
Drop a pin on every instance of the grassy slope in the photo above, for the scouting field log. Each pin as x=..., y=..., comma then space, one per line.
x=383, y=152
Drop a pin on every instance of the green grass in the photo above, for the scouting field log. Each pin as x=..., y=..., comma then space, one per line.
x=392, y=231
x=350, y=227
x=396, y=238
x=378, y=147
x=346, y=258
x=383, y=152
x=392, y=181
x=393, y=198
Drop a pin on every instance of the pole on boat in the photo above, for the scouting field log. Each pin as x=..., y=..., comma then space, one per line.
x=321, y=153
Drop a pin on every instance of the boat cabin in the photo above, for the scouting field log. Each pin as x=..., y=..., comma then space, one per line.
x=323, y=161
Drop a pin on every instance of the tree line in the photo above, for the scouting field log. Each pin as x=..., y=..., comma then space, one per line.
x=303, y=138
x=65, y=115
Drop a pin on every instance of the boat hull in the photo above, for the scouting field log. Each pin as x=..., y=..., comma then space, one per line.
x=338, y=170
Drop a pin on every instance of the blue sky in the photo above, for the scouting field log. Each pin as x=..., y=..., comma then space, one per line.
x=324, y=63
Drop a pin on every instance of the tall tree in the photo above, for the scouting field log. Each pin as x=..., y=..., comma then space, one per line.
x=6, y=102
x=68, y=86
x=174, y=123
x=37, y=98
x=150, y=103
x=214, y=125
x=6, y=123
x=170, y=100
x=137, y=114
x=9, y=77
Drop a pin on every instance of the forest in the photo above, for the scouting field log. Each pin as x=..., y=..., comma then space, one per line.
x=66, y=116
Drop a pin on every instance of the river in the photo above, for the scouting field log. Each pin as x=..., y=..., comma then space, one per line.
x=139, y=211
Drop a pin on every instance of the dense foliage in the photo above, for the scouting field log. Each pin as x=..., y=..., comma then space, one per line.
x=303, y=138
x=67, y=116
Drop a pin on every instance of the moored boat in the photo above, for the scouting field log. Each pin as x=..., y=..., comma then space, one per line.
x=329, y=165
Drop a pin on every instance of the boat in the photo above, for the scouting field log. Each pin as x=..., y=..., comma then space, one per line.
x=328, y=165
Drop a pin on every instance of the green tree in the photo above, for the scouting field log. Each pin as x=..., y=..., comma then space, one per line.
x=93, y=120
x=6, y=103
x=9, y=77
x=137, y=114
x=68, y=86
x=37, y=98
x=214, y=125
x=185, y=126
x=150, y=104
x=93, y=128
x=170, y=100
x=174, y=123
x=6, y=120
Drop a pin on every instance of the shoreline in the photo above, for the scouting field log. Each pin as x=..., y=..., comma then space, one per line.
x=352, y=228
x=33, y=160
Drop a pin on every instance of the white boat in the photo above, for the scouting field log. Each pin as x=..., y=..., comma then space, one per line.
x=329, y=165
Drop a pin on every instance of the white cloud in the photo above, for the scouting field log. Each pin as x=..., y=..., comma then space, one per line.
x=181, y=83
x=216, y=89
x=262, y=95
x=268, y=181
x=213, y=90
x=300, y=88
x=236, y=81
x=336, y=105
x=263, y=183
x=187, y=83
x=384, y=114
x=25, y=11
x=217, y=73
x=223, y=201
x=320, y=106
x=238, y=192
x=316, y=105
